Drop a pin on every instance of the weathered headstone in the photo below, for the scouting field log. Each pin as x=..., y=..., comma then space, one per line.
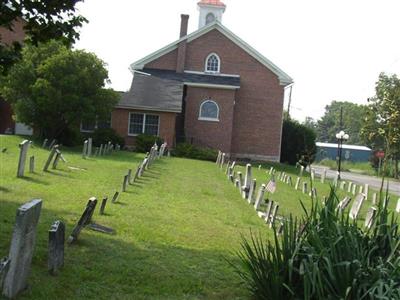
x=96, y=153
x=398, y=206
x=301, y=171
x=349, y=187
x=366, y=190
x=22, y=247
x=227, y=168
x=271, y=170
x=361, y=189
x=374, y=199
x=312, y=175
x=354, y=189
x=56, y=247
x=222, y=160
x=342, y=185
x=296, y=187
x=304, y=188
x=369, y=219
x=247, y=182
x=289, y=181
x=129, y=176
x=125, y=183
x=356, y=207
x=84, y=220
x=314, y=193
x=136, y=174
x=4, y=266
x=89, y=147
x=259, y=167
x=50, y=158
x=268, y=212
x=45, y=143
x=253, y=186
x=24, y=146
x=115, y=197
x=103, y=205
x=343, y=204
x=32, y=164
x=260, y=197
x=240, y=179
x=218, y=161
x=273, y=215
x=85, y=149
x=56, y=159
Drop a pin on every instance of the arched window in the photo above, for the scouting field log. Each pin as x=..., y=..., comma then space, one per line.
x=210, y=18
x=213, y=63
x=209, y=111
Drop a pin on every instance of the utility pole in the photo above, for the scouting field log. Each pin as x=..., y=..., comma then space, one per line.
x=290, y=101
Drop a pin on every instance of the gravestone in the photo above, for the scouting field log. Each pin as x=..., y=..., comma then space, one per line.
x=369, y=219
x=218, y=161
x=4, y=267
x=56, y=247
x=253, y=186
x=349, y=187
x=312, y=175
x=374, y=199
x=52, y=144
x=222, y=160
x=247, y=182
x=21, y=248
x=84, y=220
x=89, y=147
x=268, y=211
x=361, y=189
x=85, y=149
x=289, y=181
x=32, y=164
x=356, y=207
x=323, y=176
x=136, y=174
x=50, y=158
x=260, y=197
x=314, y=193
x=227, y=168
x=296, y=187
x=24, y=146
x=231, y=178
x=129, y=176
x=45, y=143
x=354, y=189
x=103, y=205
x=56, y=159
x=125, y=183
x=304, y=188
x=101, y=150
x=273, y=215
x=115, y=197
x=343, y=204
x=301, y=171
x=398, y=206
x=366, y=190
x=342, y=185
x=271, y=170
x=259, y=167
x=240, y=179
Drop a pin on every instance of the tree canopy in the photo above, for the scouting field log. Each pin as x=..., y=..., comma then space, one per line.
x=53, y=88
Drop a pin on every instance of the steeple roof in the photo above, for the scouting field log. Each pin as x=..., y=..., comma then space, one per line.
x=212, y=2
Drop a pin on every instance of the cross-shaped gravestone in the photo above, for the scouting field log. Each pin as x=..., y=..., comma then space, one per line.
x=369, y=219
x=356, y=207
x=21, y=249
x=260, y=197
x=24, y=146
x=56, y=247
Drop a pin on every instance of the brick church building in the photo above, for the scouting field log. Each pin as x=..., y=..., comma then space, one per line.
x=209, y=88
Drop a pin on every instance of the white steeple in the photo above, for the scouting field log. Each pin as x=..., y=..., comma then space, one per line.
x=210, y=10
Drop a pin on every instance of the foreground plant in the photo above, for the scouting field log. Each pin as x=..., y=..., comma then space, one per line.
x=325, y=255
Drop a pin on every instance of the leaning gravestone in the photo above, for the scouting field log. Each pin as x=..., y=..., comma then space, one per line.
x=115, y=197
x=56, y=159
x=240, y=178
x=24, y=146
x=103, y=205
x=369, y=219
x=273, y=215
x=343, y=204
x=22, y=247
x=84, y=219
x=50, y=158
x=125, y=183
x=53, y=142
x=56, y=247
x=32, y=164
x=268, y=211
x=356, y=207
x=260, y=197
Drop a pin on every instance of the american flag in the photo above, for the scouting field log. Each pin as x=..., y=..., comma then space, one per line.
x=271, y=186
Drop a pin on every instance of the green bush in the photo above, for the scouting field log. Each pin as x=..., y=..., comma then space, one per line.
x=190, y=151
x=325, y=256
x=298, y=143
x=105, y=135
x=144, y=142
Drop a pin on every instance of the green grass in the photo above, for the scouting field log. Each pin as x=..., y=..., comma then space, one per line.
x=174, y=228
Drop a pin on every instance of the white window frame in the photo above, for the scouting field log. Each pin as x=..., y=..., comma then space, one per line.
x=205, y=118
x=206, y=63
x=144, y=123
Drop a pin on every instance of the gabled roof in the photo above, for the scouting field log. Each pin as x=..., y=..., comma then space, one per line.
x=284, y=79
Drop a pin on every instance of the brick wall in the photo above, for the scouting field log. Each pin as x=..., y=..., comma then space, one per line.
x=17, y=34
x=209, y=133
x=120, y=123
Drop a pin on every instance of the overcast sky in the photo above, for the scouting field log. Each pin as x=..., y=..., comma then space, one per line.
x=333, y=49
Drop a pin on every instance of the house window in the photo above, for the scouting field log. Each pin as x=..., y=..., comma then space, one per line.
x=209, y=111
x=210, y=18
x=91, y=126
x=213, y=63
x=143, y=123
x=88, y=126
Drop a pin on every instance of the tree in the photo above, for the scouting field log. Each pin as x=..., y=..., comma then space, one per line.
x=53, y=88
x=310, y=123
x=43, y=21
x=298, y=143
x=382, y=122
x=329, y=124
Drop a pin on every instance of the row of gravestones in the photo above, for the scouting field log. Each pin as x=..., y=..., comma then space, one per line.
x=266, y=208
x=15, y=269
x=99, y=151
x=54, y=157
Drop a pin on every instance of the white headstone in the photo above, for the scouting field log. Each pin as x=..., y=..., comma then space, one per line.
x=349, y=187
x=354, y=189
x=343, y=204
x=366, y=190
x=356, y=207
x=247, y=181
x=398, y=206
x=301, y=171
x=273, y=215
x=369, y=219
x=296, y=187
x=374, y=199
x=85, y=149
x=260, y=197
x=24, y=146
x=253, y=186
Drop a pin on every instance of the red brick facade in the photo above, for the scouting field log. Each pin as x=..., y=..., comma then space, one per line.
x=120, y=123
x=251, y=118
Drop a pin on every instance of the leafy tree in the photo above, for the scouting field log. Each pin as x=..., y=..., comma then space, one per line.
x=329, y=124
x=382, y=122
x=298, y=143
x=53, y=88
x=310, y=123
x=43, y=21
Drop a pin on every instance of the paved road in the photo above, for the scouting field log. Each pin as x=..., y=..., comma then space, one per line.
x=373, y=182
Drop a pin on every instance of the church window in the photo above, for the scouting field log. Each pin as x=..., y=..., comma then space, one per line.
x=213, y=63
x=209, y=111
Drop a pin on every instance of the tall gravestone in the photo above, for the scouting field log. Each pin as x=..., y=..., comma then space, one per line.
x=24, y=146
x=56, y=247
x=273, y=215
x=349, y=187
x=32, y=164
x=260, y=197
x=304, y=188
x=103, y=205
x=56, y=159
x=343, y=204
x=296, y=187
x=53, y=142
x=374, y=199
x=253, y=186
x=85, y=149
x=398, y=206
x=50, y=158
x=354, y=190
x=89, y=147
x=22, y=247
x=125, y=183
x=247, y=182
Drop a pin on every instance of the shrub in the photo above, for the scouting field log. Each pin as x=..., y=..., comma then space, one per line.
x=105, y=135
x=298, y=143
x=325, y=256
x=144, y=142
x=190, y=151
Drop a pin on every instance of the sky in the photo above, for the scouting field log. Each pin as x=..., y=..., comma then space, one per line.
x=333, y=49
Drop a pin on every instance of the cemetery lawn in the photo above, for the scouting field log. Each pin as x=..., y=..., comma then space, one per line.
x=175, y=228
